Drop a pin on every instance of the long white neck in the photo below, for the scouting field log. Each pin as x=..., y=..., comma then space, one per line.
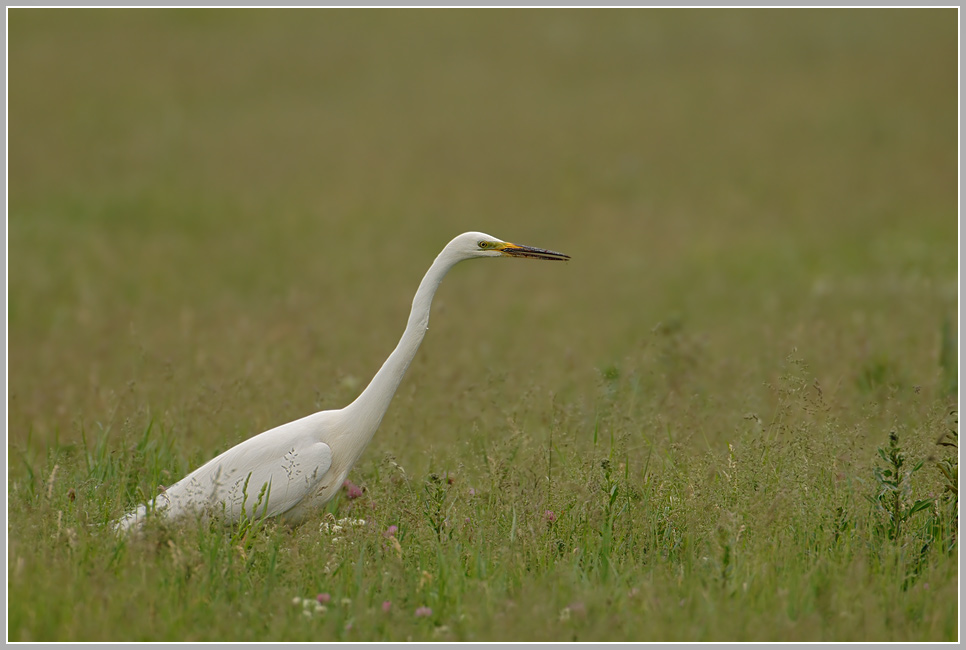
x=368, y=409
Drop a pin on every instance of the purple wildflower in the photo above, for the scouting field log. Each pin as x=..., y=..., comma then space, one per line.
x=386, y=605
x=323, y=598
x=423, y=611
x=550, y=516
x=391, y=531
x=353, y=490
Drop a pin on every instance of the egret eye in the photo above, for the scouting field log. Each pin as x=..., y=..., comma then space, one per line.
x=484, y=244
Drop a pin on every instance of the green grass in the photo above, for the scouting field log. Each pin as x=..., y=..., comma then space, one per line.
x=216, y=223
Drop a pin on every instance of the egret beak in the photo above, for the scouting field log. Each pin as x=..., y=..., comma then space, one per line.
x=515, y=250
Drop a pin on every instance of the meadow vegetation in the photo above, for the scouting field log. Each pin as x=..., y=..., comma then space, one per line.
x=721, y=421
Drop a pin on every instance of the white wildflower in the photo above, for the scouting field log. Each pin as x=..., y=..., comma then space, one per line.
x=441, y=630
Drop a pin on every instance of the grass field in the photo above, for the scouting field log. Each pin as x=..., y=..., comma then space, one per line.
x=217, y=220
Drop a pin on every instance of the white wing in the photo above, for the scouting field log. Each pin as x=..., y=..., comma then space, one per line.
x=251, y=480
x=264, y=476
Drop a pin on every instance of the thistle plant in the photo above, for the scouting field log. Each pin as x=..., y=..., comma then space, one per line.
x=945, y=518
x=949, y=465
x=894, y=496
x=434, y=505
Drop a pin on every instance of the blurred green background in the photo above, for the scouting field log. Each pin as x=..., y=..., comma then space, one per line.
x=220, y=217
x=216, y=223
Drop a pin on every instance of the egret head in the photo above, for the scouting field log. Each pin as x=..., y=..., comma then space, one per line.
x=478, y=244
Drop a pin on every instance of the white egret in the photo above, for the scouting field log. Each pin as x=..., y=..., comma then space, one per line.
x=295, y=468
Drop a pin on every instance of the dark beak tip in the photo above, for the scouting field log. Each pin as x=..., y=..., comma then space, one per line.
x=537, y=253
